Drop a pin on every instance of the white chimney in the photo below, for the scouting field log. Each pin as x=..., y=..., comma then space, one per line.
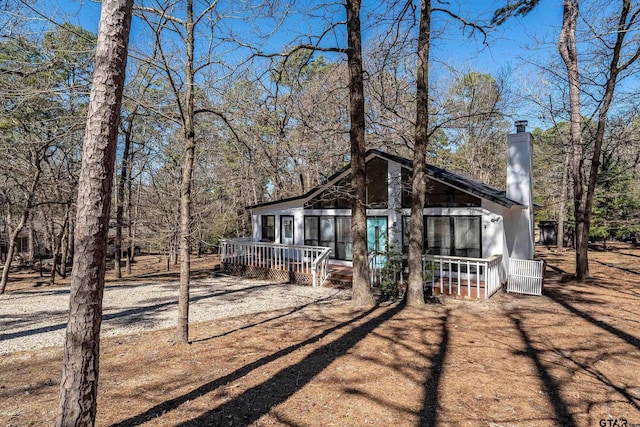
x=520, y=189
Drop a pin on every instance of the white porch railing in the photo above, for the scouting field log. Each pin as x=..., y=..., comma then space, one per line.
x=480, y=276
x=385, y=267
x=311, y=260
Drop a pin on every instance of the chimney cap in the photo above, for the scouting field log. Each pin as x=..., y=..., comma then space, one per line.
x=521, y=125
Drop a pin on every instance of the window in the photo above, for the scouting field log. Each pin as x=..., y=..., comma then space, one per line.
x=311, y=231
x=448, y=235
x=454, y=236
x=405, y=179
x=287, y=230
x=335, y=197
x=268, y=228
x=406, y=220
x=438, y=235
x=439, y=195
x=329, y=231
x=377, y=183
x=466, y=231
x=344, y=245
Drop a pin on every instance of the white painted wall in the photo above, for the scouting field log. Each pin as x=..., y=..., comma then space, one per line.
x=520, y=189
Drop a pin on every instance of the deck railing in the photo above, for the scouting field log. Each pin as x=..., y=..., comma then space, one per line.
x=480, y=276
x=311, y=260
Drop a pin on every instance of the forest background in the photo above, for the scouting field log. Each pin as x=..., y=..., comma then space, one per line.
x=271, y=112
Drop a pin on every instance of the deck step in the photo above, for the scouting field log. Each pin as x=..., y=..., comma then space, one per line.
x=339, y=279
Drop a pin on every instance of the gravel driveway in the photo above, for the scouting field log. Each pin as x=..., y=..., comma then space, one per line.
x=31, y=320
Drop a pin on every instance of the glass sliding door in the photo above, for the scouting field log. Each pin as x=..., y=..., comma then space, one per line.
x=459, y=236
x=343, y=238
x=439, y=239
x=311, y=231
x=466, y=231
x=328, y=233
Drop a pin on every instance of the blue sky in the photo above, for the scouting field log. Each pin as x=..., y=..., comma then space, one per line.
x=505, y=44
x=509, y=48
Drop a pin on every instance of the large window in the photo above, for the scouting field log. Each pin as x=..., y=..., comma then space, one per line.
x=439, y=235
x=466, y=232
x=438, y=195
x=448, y=235
x=335, y=197
x=329, y=231
x=344, y=244
x=311, y=231
x=377, y=183
x=268, y=228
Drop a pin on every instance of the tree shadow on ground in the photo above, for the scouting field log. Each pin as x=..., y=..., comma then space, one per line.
x=567, y=300
x=429, y=412
x=625, y=269
x=270, y=319
x=244, y=409
x=563, y=416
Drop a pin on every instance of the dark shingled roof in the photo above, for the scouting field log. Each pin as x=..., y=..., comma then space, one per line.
x=463, y=183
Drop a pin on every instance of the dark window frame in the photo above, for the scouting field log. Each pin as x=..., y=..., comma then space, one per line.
x=452, y=236
x=264, y=226
x=383, y=204
x=447, y=197
x=405, y=244
x=334, y=254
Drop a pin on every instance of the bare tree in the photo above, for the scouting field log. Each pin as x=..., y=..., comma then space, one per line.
x=362, y=296
x=78, y=387
x=415, y=293
x=611, y=50
x=568, y=51
x=425, y=130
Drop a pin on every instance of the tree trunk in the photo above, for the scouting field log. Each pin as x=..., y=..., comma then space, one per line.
x=124, y=174
x=562, y=205
x=14, y=236
x=32, y=247
x=57, y=248
x=79, y=382
x=612, y=79
x=361, y=291
x=568, y=51
x=182, y=333
x=415, y=292
x=131, y=219
x=65, y=243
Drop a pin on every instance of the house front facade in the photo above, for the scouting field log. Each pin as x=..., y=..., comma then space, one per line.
x=463, y=218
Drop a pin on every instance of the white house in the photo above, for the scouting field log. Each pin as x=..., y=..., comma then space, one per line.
x=463, y=217
x=472, y=230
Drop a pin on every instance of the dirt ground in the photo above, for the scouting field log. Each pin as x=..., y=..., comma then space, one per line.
x=570, y=358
